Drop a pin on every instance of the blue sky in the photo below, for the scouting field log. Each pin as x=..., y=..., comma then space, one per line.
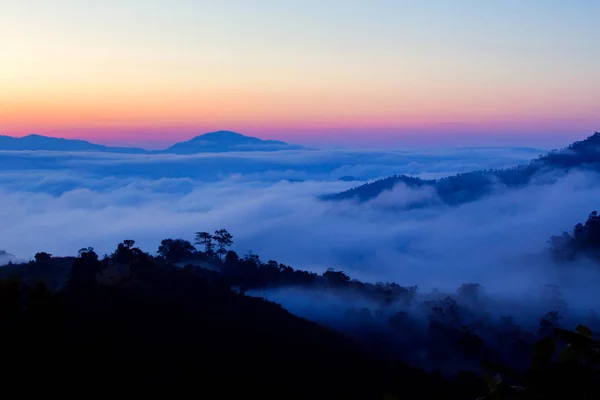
x=461, y=71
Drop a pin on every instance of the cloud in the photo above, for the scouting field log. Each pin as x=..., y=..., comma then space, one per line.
x=401, y=196
x=496, y=241
x=56, y=172
x=500, y=241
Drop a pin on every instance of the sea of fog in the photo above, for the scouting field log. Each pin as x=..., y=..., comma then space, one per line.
x=61, y=202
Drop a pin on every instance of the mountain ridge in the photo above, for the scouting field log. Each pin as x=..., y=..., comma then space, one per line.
x=217, y=141
x=470, y=186
x=225, y=141
x=36, y=142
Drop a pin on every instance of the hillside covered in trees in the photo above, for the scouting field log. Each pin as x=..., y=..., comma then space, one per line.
x=470, y=186
x=584, y=241
x=191, y=320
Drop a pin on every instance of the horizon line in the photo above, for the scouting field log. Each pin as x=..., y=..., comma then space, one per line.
x=381, y=147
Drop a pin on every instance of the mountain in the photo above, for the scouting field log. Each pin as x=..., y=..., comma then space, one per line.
x=349, y=178
x=225, y=141
x=39, y=142
x=212, y=142
x=466, y=187
x=173, y=330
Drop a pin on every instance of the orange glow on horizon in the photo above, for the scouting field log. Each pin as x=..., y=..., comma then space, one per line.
x=122, y=69
x=142, y=109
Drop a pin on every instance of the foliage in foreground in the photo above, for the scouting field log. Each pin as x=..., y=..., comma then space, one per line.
x=167, y=322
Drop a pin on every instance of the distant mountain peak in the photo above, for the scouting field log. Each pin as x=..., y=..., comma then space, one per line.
x=470, y=186
x=230, y=135
x=221, y=134
x=226, y=141
x=224, y=135
x=211, y=142
x=35, y=142
x=42, y=137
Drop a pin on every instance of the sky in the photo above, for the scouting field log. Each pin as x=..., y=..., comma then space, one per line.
x=378, y=72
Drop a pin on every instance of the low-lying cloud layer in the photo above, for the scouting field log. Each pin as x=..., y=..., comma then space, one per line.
x=61, y=202
x=62, y=172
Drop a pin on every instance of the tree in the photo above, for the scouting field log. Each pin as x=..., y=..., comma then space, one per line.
x=42, y=257
x=469, y=291
x=224, y=239
x=175, y=249
x=205, y=239
x=85, y=267
x=336, y=277
x=88, y=254
x=252, y=259
x=127, y=254
x=231, y=258
x=549, y=322
x=564, y=365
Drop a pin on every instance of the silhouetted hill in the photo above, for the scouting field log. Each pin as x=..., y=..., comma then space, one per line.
x=225, y=141
x=349, y=178
x=135, y=323
x=215, y=142
x=465, y=187
x=39, y=142
x=183, y=330
x=584, y=241
x=54, y=274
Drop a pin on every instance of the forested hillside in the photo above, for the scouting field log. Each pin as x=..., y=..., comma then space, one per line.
x=185, y=321
x=466, y=187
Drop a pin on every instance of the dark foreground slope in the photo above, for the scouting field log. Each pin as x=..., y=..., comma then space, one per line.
x=157, y=329
x=462, y=188
x=134, y=324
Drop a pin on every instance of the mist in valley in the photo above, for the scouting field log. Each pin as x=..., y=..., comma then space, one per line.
x=496, y=245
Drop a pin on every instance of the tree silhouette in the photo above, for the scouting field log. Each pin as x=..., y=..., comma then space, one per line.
x=231, y=258
x=127, y=254
x=336, y=277
x=205, y=239
x=175, y=249
x=469, y=291
x=252, y=259
x=42, y=257
x=585, y=240
x=85, y=267
x=224, y=240
x=88, y=254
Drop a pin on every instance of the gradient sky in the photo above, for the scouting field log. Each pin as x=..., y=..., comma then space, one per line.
x=313, y=71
